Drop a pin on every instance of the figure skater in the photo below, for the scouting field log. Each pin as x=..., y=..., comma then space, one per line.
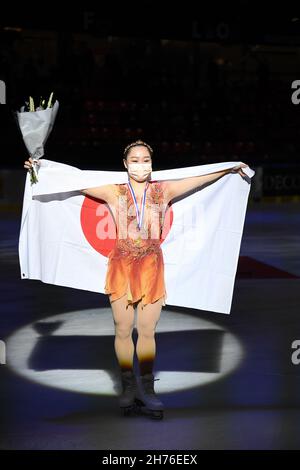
x=135, y=274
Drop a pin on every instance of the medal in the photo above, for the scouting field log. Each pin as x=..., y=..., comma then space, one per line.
x=139, y=215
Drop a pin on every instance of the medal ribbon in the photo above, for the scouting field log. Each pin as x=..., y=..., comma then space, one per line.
x=139, y=215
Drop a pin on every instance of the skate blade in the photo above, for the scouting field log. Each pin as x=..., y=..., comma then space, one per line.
x=128, y=410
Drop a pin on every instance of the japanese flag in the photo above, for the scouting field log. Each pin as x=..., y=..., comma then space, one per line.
x=59, y=242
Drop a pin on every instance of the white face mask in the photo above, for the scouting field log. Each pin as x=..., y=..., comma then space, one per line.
x=139, y=171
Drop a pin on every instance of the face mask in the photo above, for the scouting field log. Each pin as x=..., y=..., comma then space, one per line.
x=139, y=171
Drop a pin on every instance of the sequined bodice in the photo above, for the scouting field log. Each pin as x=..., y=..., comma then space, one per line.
x=132, y=241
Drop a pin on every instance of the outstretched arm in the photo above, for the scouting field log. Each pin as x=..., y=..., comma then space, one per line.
x=180, y=187
x=105, y=192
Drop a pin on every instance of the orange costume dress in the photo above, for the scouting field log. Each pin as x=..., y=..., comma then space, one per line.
x=135, y=264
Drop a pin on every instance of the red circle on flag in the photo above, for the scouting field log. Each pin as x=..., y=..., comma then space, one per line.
x=99, y=227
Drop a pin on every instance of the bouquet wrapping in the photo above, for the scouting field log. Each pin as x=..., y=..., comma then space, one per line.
x=36, y=126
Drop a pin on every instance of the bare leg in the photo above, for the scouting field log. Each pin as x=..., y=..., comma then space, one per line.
x=147, y=318
x=124, y=323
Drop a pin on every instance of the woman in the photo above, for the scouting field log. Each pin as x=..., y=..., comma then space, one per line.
x=135, y=274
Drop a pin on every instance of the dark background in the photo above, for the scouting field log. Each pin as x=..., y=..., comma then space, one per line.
x=201, y=83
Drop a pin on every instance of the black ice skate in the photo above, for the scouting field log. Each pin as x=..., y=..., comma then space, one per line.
x=127, y=397
x=146, y=399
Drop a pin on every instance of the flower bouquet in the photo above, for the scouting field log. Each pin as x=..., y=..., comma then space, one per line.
x=35, y=124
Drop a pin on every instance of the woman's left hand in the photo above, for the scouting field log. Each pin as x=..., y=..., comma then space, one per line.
x=238, y=169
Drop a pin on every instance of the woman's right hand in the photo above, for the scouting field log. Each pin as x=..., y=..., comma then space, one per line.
x=28, y=163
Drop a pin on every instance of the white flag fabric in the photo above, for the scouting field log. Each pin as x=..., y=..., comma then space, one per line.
x=200, y=250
